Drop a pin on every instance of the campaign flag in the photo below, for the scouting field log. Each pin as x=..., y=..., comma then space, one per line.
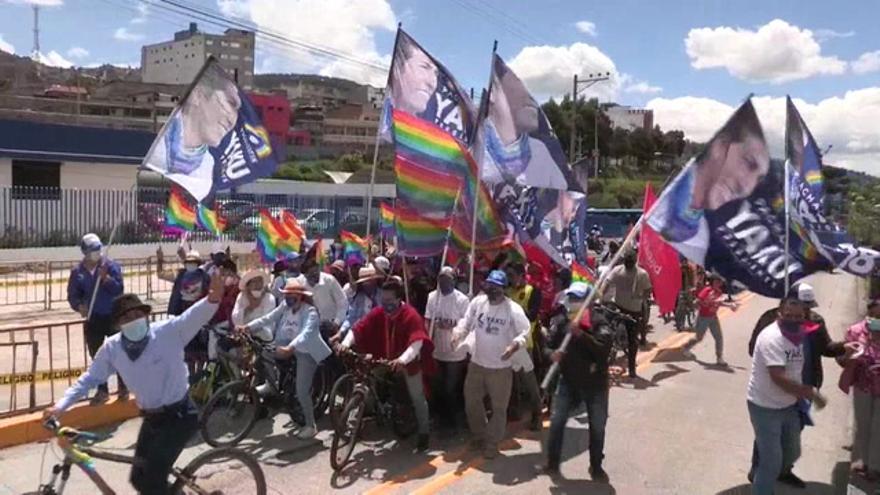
x=210, y=220
x=270, y=238
x=386, y=219
x=421, y=86
x=320, y=253
x=802, y=151
x=180, y=216
x=580, y=273
x=354, y=248
x=522, y=158
x=418, y=235
x=214, y=139
x=660, y=261
x=293, y=232
x=725, y=210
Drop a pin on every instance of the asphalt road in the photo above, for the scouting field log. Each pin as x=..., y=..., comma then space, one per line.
x=682, y=429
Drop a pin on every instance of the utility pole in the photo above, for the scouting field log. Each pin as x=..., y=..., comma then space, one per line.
x=36, y=51
x=575, y=90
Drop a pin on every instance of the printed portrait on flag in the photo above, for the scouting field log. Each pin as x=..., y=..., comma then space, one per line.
x=729, y=169
x=419, y=85
x=214, y=139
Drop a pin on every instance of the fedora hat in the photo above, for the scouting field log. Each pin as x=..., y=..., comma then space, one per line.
x=250, y=275
x=367, y=274
x=296, y=287
x=126, y=302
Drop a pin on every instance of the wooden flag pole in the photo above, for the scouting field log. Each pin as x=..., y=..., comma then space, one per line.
x=443, y=256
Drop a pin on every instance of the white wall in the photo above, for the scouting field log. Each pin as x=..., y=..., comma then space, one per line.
x=5, y=172
x=85, y=175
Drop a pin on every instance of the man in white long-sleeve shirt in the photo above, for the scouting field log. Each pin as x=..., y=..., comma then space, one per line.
x=330, y=300
x=149, y=357
x=499, y=328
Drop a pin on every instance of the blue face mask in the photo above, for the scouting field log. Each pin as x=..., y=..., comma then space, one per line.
x=136, y=330
x=291, y=302
x=873, y=324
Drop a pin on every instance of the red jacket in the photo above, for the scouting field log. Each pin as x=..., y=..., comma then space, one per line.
x=387, y=338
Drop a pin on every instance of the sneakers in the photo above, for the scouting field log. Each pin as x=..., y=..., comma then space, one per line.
x=264, y=390
x=547, y=469
x=101, y=396
x=688, y=354
x=535, y=423
x=307, y=433
x=721, y=362
x=790, y=479
x=490, y=451
x=422, y=442
x=476, y=444
x=598, y=474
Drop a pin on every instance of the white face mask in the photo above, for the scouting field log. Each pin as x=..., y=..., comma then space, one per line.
x=136, y=330
x=191, y=267
x=94, y=256
x=257, y=293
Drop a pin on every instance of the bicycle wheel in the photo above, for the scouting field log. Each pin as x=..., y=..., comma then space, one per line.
x=223, y=470
x=339, y=395
x=229, y=414
x=319, y=390
x=345, y=437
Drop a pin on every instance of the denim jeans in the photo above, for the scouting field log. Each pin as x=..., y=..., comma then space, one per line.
x=305, y=375
x=448, y=393
x=778, y=436
x=713, y=325
x=564, y=402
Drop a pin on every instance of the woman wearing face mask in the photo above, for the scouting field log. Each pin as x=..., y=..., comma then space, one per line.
x=296, y=334
x=149, y=357
x=862, y=373
x=190, y=283
x=254, y=301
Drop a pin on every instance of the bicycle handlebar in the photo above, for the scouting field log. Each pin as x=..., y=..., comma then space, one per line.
x=365, y=358
x=614, y=313
x=54, y=425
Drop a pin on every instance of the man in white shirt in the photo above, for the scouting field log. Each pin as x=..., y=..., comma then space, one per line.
x=446, y=307
x=775, y=385
x=499, y=328
x=330, y=301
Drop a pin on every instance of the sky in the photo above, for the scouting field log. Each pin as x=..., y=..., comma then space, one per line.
x=691, y=61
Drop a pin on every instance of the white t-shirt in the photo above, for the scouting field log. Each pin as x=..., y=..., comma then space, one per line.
x=773, y=349
x=494, y=328
x=448, y=310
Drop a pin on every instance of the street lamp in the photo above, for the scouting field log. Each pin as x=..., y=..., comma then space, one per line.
x=576, y=89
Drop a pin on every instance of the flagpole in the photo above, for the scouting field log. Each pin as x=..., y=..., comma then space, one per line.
x=787, y=179
x=379, y=135
x=443, y=256
x=405, y=279
x=554, y=368
x=483, y=109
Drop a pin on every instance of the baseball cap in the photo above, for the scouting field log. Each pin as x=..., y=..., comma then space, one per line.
x=447, y=271
x=578, y=290
x=382, y=263
x=90, y=243
x=291, y=257
x=497, y=277
x=806, y=295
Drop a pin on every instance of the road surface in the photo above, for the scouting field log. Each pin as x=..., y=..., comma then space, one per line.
x=683, y=429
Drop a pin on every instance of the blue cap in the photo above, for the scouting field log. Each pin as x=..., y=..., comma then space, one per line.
x=291, y=257
x=90, y=243
x=578, y=290
x=497, y=277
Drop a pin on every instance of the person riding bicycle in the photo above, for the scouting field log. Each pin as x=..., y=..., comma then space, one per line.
x=296, y=329
x=396, y=331
x=149, y=357
x=631, y=285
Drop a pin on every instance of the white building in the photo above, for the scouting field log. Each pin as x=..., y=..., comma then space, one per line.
x=179, y=60
x=629, y=118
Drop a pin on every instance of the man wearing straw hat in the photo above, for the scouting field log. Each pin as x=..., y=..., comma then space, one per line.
x=296, y=330
x=95, y=269
x=149, y=356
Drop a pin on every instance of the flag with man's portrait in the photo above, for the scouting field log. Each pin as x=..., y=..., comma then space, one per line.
x=214, y=139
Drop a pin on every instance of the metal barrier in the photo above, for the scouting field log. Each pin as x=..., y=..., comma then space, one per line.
x=45, y=282
x=30, y=386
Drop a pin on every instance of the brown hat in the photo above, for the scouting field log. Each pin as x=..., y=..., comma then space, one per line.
x=295, y=287
x=367, y=274
x=126, y=302
x=338, y=265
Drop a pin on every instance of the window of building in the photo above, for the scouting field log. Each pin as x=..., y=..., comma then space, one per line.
x=248, y=58
x=209, y=42
x=233, y=57
x=37, y=179
x=235, y=44
x=224, y=56
x=223, y=43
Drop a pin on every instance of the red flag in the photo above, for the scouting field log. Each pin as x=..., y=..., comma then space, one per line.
x=660, y=260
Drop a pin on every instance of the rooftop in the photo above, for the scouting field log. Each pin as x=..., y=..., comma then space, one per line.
x=41, y=141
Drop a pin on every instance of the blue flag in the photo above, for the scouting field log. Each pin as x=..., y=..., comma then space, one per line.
x=802, y=151
x=214, y=139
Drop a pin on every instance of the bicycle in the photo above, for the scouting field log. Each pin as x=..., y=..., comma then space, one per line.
x=618, y=322
x=685, y=310
x=233, y=410
x=204, y=475
x=224, y=369
x=374, y=385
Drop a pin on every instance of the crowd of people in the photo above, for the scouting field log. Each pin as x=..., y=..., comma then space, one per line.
x=457, y=352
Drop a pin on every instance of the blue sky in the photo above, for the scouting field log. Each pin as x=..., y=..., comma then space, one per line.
x=691, y=61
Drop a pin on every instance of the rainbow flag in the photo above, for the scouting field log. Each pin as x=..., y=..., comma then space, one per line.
x=806, y=249
x=210, y=220
x=418, y=235
x=386, y=219
x=320, y=253
x=270, y=238
x=432, y=167
x=180, y=217
x=580, y=273
x=354, y=248
x=293, y=231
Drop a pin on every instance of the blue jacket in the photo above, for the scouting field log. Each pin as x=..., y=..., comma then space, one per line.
x=81, y=284
x=301, y=329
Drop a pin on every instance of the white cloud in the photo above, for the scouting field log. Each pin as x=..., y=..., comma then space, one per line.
x=777, y=52
x=867, y=62
x=54, y=59
x=847, y=122
x=44, y=3
x=345, y=26
x=143, y=11
x=548, y=70
x=6, y=46
x=586, y=27
x=827, y=34
x=642, y=88
x=77, y=52
x=123, y=34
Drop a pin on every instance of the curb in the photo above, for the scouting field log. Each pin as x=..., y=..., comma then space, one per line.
x=28, y=428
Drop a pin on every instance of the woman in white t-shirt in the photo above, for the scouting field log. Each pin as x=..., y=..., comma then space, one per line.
x=446, y=306
x=254, y=301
